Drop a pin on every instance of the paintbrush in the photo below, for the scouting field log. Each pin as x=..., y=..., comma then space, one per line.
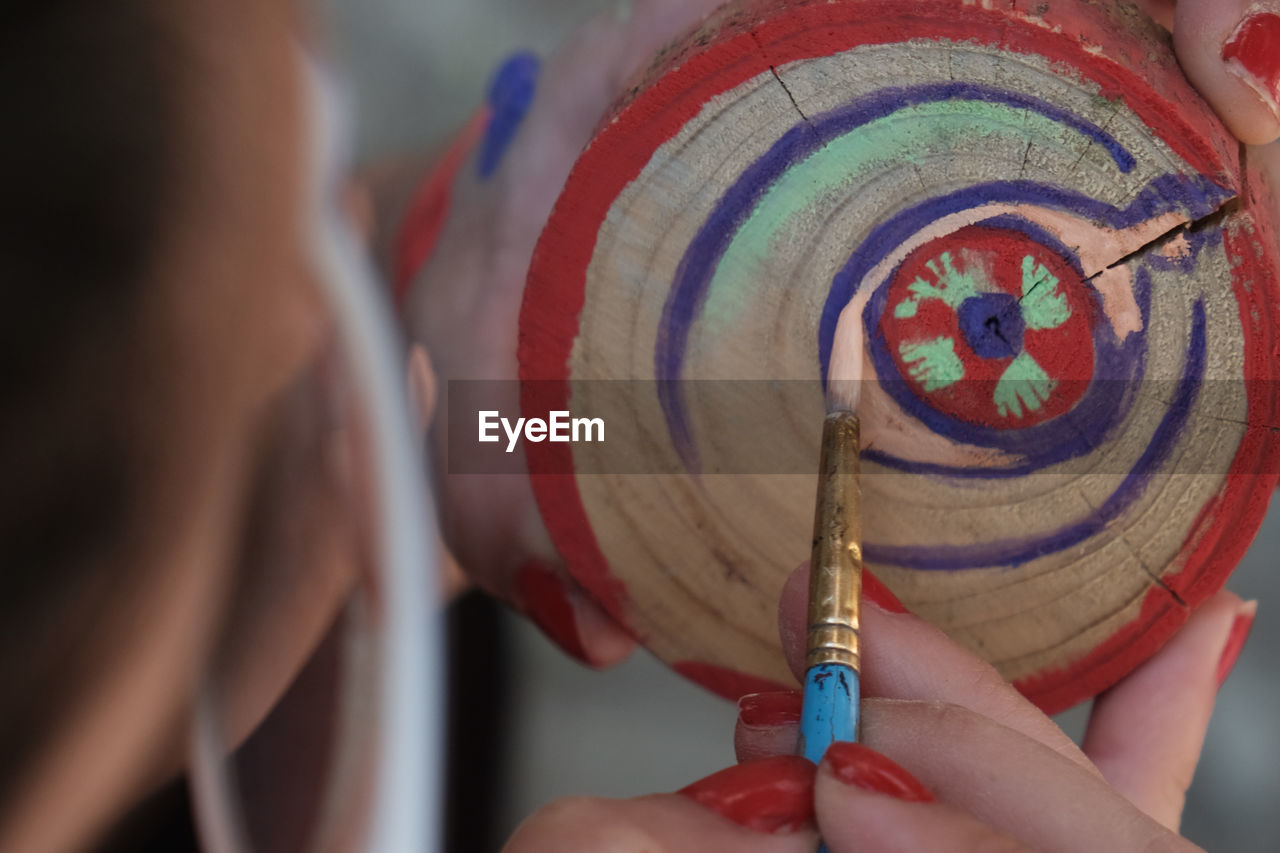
x=831, y=690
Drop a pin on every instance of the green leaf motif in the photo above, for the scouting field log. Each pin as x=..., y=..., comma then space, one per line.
x=1024, y=384
x=934, y=364
x=1043, y=305
x=953, y=287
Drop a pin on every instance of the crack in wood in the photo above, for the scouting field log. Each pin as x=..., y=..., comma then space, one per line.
x=1224, y=211
x=773, y=69
x=1133, y=552
x=1262, y=426
x=1228, y=208
x=920, y=177
x=790, y=96
x=1105, y=128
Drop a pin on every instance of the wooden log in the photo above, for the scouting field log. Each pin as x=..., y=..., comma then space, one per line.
x=1066, y=280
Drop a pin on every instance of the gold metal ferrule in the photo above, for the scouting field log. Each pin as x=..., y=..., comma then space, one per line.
x=835, y=578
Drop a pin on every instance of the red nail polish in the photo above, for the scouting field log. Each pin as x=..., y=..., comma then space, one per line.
x=855, y=764
x=1235, y=642
x=1253, y=53
x=879, y=595
x=772, y=795
x=546, y=601
x=778, y=708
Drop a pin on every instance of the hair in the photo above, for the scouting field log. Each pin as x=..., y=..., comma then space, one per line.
x=88, y=91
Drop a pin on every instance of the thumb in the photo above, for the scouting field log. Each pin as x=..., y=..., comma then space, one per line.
x=867, y=803
x=1230, y=50
x=1145, y=734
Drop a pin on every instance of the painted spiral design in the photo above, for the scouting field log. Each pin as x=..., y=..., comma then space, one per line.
x=1065, y=315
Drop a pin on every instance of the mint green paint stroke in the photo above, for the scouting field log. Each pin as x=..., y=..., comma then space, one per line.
x=1023, y=384
x=1044, y=306
x=934, y=364
x=953, y=287
x=914, y=134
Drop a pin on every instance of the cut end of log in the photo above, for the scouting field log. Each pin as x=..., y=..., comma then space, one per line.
x=1015, y=224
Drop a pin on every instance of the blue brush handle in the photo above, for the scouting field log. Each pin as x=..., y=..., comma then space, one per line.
x=829, y=712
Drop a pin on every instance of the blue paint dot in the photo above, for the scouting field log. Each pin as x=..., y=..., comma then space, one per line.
x=992, y=325
x=510, y=96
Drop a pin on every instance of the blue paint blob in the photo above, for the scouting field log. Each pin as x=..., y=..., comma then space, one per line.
x=992, y=325
x=510, y=96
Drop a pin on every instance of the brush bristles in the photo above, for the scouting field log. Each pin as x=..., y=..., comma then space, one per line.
x=843, y=395
x=844, y=373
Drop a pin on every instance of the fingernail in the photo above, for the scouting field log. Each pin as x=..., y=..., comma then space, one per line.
x=511, y=94
x=877, y=593
x=1253, y=54
x=772, y=795
x=777, y=708
x=1236, y=639
x=546, y=601
x=855, y=764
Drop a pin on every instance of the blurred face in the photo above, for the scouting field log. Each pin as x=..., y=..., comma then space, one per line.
x=250, y=527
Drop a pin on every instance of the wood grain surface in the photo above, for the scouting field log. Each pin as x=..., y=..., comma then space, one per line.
x=1067, y=289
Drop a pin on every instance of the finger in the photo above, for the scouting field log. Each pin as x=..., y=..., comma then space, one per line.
x=662, y=824
x=1145, y=734
x=768, y=725
x=582, y=78
x=569, y=617
x=568, y=105
x=903, y=657
x=1230, y=50
x=1009, y=781
x=465, y=304
x=864, y=802
x=764, y=807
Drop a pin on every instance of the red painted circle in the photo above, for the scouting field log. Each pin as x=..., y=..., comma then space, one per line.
x=923, y=314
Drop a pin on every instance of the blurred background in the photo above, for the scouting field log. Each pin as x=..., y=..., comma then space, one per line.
x=418, y=69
